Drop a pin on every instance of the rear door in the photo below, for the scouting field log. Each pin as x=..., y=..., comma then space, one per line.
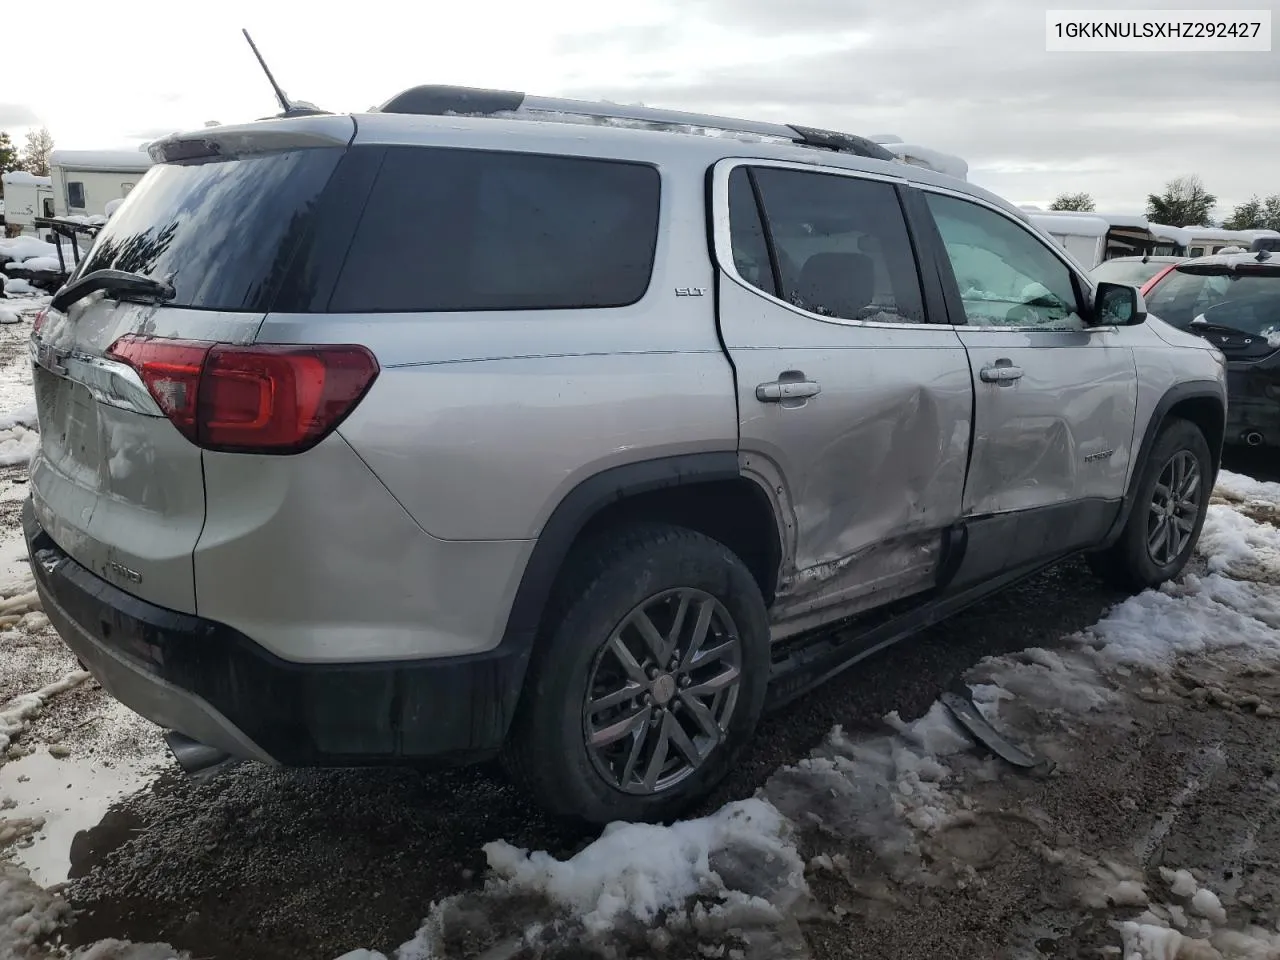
x=854, y=408
x=115, y=483
x=1054, y=400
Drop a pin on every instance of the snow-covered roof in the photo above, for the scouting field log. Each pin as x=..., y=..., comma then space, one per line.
x=1162, y=231
x=1079, y=225
x=1211, y=233
x=1134, y=220
x=929, y=158
x=15, y=177
x=1255, y=234
x=105, y=160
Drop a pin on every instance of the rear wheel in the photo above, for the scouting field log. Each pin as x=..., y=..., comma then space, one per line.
x=1169, y=507
x=648, y=681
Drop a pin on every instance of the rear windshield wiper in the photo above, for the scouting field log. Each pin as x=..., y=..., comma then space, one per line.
x=125, y=285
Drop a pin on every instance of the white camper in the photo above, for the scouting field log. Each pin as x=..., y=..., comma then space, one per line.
x=26, y=197
x=85, y=181
x=1083, y=237
x=1123, y=235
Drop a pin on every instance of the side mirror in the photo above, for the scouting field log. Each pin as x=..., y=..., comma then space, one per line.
x=1118, y=304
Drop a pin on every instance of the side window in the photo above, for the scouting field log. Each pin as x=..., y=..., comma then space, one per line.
x=1196, y=252
x=841, y=245
x=1007, y=277
x=455, y=230
x=75, y=195
x=746, y=232
x=125, y=188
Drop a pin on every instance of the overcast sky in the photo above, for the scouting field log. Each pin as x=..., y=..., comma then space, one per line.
x=971, y=78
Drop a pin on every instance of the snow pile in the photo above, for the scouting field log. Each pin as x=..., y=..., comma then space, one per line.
x=19, y=287
x=712, y=877
x=19, y=439
x=42, y=263
x=18, y=444
x=29, y=914
x=8, y=316
x=15, y=714
x=21, y=249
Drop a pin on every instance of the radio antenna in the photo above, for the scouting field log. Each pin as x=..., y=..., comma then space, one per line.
x=285, y=105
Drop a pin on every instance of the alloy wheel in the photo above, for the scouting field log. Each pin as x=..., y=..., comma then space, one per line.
x=662, y=691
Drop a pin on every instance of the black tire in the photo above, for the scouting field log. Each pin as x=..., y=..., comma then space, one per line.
x=1128, y=564
x=604, y=583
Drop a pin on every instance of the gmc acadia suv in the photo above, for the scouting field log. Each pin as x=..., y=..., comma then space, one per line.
x=415, y=434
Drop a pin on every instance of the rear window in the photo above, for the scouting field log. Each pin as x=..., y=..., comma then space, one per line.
x=221, y=231
x=457, y=230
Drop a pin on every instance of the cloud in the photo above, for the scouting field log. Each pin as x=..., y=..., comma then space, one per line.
x=974, y=79
x=17, y=115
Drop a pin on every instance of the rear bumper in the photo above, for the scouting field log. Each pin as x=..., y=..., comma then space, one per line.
x=1253, y=402
x=215, y=685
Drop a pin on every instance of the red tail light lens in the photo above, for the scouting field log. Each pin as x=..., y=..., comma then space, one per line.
x=260, y=399
x=39, y=320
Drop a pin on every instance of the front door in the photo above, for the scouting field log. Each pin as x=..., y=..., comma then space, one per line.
x=1054, y=399
x=854, y=401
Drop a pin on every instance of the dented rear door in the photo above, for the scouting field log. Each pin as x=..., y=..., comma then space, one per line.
x=854, y=407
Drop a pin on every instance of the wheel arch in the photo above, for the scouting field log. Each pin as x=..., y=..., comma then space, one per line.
x=1203, y=403
x=706, y=492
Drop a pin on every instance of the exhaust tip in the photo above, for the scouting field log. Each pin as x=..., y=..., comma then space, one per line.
x=195, y=758
x=1253, y=438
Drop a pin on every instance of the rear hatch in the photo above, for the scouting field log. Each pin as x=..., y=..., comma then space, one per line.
x=199, y=246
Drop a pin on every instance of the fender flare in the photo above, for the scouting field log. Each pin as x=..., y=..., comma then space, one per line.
x=584, y=502
x=1191, y=390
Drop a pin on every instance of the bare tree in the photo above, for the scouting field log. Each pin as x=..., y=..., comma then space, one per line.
x=1184, y=203
x=1082, y=202
x=35, y=155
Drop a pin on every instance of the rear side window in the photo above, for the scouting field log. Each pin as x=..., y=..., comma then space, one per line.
x=841, y=245
x=456, y=230
x=221, y=231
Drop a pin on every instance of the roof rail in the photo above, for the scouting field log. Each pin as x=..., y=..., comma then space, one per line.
x=438, y=100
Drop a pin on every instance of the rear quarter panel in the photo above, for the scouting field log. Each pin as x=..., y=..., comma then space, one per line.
x=481, y=422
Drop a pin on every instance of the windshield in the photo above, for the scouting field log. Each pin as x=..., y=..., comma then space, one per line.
x=221, y=232
x=1250, y=302
x=1133, y=272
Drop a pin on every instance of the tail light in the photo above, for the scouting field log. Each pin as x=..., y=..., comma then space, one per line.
x=39, y=320
x=269, y=398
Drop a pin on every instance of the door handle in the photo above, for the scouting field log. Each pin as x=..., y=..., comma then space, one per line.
x=779, y=390
x=1002, y=371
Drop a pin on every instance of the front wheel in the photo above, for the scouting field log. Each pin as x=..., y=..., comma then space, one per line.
x=1170, y=502
x=648, y=681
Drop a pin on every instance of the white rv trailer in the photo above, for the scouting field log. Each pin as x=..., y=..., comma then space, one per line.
x=85, y=181
x=1081, y=236
x=1123, y=235
x=26, y=197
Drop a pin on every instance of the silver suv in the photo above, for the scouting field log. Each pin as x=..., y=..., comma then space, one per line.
x=410, y=434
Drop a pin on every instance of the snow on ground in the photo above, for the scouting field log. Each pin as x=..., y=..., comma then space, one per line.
x=885, y=817
x=883, y=830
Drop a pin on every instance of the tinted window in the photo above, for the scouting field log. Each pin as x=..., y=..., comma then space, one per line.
x=750, y=248
x=448, y=230
x=221, y=232
x=841, y=245
x=75, y=194
x=1249, y=302
x=1007, y=277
